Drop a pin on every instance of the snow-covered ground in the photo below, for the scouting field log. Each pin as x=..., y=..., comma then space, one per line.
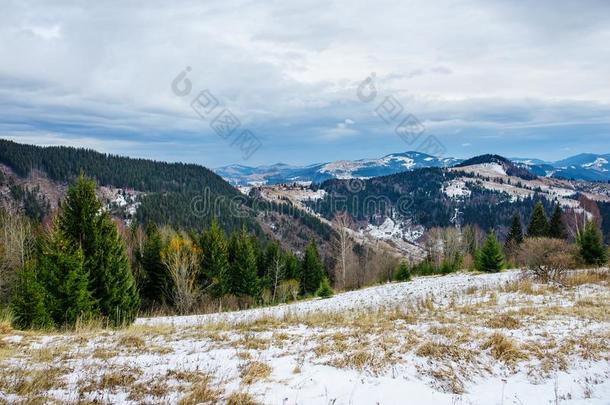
x=457, y=339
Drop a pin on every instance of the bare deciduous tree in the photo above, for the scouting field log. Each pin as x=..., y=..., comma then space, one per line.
x=16, y=245
x=181, y=257
x=342, y=223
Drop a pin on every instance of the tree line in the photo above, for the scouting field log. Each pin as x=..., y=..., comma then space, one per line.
x=543, y=245
x=82, y=266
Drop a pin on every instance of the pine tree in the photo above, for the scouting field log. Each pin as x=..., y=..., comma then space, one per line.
x=490, y=257
x=79, y=214
x=243, y=271
x=324, y=290
x=515, y=233
x=557, y=228
x=112, y=281
x=28, y=301
x=84, y=224
x=402, y=273
x=215, y=261
x=157, y=284
x=312, y=270
x=292, y=267
x=591, y=246
x=66, y=281
x=539, y=224
x=514, y=238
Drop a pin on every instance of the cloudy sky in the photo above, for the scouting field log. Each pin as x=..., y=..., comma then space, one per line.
x=518, y=78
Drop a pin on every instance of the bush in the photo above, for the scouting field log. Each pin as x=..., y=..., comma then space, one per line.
x=324, y=291
x=547, y=259
x=402, y=272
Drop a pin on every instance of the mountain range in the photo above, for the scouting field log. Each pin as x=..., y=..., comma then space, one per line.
x=585, y=166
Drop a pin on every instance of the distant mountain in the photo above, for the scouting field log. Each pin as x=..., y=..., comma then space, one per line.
x=586, y=166
x=500, y=164
x=341, y=169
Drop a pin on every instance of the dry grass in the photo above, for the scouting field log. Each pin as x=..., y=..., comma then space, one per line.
x=504, y=349
x=241, y=398
x=152, y=388
x=254, y=371
x=576, y=278
x=30, y=383
x=131, y=341
x=112, y=381
x=444, y=351
x=202, y=392
x=503, y=321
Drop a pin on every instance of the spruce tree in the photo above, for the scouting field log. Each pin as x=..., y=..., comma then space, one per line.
x=490, y=258
x=61, y=271
x=157, y=285
x=539, y=224
x=324, y=290
x=514, y=238
x=402, y=273
x=28, y=301
x=312, y=270
x=112, y=281
x=557, y=228
x=292, y=267
x=591, y=245
x=243, y=270
x=215, y=261
x=84, y=223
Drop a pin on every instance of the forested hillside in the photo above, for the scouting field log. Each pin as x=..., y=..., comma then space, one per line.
x=426, y=204
x=185, y=196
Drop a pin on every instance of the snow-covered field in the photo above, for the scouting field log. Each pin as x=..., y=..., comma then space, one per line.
x=457, y=339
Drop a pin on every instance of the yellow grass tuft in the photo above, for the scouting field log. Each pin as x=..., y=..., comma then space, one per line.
x=503, y=321
x=202, y=393
x=241, y=398
x=504, y=349
x=254, y=371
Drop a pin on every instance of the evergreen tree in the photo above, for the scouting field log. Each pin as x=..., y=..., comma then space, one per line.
x=539, y=224
x=79, y=216
x=113, y=284
x=557, y=228
x=490, y=257
x=61, y=271
x=514, y=238
x=87, y=226
x=157, y=284
x=243, y=271
x=324, y=290
x=292, y=267
x=402, y=273
x=312, y=270
x=215, y=261
x=591, y=246
x=28, y=302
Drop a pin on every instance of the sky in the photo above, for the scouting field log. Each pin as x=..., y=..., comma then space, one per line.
x=307, y=81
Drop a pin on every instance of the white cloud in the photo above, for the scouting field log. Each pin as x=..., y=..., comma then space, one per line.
x=108, y=65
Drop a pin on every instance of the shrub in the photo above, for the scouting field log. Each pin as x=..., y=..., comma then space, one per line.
x=324, y=291
x=547, y=259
